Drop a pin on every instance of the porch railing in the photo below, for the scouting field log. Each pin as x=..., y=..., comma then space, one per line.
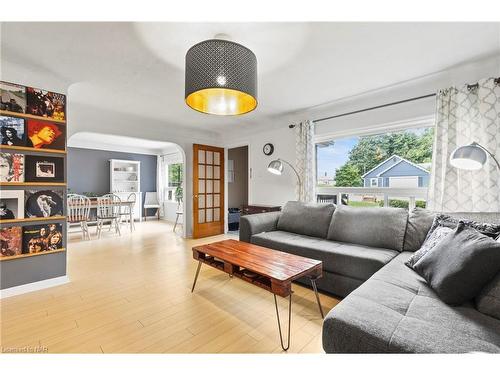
x=339, y=194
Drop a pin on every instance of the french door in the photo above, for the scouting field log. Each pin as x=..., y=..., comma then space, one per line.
x=208, y=191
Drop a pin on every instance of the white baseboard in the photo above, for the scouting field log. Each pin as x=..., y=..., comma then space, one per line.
x=32, y=287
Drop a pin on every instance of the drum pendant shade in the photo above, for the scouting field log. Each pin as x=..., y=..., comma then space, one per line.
x=221, y=78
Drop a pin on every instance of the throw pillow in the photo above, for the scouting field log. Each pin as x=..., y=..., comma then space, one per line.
x=419, y=223
x=460, y=265
x=443, y=220
x=488, y=301
x=434, y=238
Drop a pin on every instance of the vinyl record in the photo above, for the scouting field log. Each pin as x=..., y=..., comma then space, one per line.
x=44, y=203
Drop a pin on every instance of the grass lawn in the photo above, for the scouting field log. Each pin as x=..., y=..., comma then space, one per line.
x=363, y=204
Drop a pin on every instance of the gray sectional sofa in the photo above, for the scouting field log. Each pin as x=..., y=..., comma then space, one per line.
x=388, y=308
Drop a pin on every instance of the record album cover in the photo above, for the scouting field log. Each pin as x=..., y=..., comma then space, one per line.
x=11, y=167
x=43, y=134
x=46, y=104
x=10, y=238
x=12, y=97
x=11, y=204
x=40, y=238
x=12, y=131
x=44, y=203
x=44, y=169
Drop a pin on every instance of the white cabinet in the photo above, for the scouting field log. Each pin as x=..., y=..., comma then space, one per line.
x=125, y=179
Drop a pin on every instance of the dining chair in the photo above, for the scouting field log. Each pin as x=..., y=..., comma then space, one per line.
x=127, y=211
x=108, y=209
x=178, y=213
x=79, y=212
x=151, y=201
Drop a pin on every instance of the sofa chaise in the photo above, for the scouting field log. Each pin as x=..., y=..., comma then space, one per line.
x=388, y=308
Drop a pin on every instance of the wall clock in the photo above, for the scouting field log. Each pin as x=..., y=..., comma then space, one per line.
x=268, y=149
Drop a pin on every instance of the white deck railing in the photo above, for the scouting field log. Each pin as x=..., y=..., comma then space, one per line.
x=412, y=194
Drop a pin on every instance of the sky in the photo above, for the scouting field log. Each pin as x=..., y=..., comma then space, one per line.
x=333, y=157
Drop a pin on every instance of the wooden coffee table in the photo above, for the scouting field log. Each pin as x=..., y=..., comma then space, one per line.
x=268, y=269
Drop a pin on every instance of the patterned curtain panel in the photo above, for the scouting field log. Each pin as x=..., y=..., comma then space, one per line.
x=471, y=113
x=305, y=161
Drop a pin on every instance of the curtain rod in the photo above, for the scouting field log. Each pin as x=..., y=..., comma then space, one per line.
x=376, y=107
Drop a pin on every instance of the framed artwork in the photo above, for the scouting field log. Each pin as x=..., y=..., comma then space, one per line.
x=44, y=169
x=44, y=203
x=11, y=204
x=11, y=167
x=11, y=241
x=45, y=104
x=12, y=131
x=40, y=238
x=43, y=134
x=12, y=97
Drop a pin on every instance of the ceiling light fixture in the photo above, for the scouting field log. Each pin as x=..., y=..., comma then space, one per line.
x=221, y=77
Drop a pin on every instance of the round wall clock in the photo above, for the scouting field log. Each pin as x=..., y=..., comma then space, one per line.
x=268, y=149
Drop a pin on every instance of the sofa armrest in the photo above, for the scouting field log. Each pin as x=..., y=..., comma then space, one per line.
x=258, y=223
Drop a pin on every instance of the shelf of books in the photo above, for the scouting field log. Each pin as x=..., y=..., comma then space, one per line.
x=32, y=171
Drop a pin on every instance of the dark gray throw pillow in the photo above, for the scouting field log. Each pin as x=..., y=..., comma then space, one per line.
x=443, y=220
x=310, y=219
x=488, y=301
x=434, y=238
x=460, y=265
x=419, y=223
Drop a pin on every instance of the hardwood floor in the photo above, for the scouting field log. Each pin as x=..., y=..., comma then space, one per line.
x=132, y=294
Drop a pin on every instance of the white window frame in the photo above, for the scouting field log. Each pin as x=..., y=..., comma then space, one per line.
x=372, y=180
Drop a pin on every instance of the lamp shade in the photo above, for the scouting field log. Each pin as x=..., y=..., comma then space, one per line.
x=275, y=167
x=221, y=78
x=470, y=157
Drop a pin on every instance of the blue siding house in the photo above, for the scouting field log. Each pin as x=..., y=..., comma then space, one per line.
x=397, y=172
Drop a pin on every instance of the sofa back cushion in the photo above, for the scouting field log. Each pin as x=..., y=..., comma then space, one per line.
x=375, y=227
x=488, y=301
x=419, y=223
x=310, y=219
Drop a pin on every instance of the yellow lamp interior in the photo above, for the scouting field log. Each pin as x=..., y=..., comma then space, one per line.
x=220, y=101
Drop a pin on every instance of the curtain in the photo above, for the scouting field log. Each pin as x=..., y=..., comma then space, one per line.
x=305, y=162
x=161, y=181
x=464, y=115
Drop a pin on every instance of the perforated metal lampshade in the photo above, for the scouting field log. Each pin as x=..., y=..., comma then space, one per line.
x=275, y=167
x=221, y=78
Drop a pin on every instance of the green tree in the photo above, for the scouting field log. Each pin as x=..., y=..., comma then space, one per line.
x=348, y=175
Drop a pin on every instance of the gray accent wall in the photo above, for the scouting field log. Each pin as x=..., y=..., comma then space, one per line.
x=88, y=170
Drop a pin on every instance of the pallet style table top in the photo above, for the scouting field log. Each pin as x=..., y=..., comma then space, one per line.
x=276, y=265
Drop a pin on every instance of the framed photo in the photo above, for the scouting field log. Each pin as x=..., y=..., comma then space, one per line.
x=12, y=131
x=45, y=104
x=44, y=169
x=40, y=238
x=44, y=203
x=12, y=97
x=11, y=204
x=43, y=134
x=11, y=167
x=11, y=241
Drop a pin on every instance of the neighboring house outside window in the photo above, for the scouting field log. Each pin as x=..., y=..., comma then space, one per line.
x=374, y=182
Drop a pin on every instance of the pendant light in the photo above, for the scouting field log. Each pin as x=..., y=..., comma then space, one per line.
x=221, y=78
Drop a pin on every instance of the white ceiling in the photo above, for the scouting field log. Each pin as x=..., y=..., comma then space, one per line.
x=138, y=68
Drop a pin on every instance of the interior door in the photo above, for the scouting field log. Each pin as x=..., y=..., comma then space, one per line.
x=208, y=191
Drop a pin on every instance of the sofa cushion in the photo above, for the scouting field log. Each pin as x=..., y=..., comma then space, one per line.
x=431, y=241
x=419, y=223
x=376, y=227
x=355, y=261
x=460, y=265
x=310, y=219
x=488, y=301
x=445, y=220
x=395, y=311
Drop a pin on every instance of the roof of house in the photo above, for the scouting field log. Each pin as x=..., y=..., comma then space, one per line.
x=401, y=159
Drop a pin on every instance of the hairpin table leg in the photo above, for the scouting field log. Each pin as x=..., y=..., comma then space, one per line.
x=289, y=320
x=196, y=276
x=313, y=282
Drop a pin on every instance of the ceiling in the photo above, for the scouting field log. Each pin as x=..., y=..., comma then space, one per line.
x=138, y=68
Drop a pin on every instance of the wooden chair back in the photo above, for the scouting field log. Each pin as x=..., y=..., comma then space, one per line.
x=78, y=208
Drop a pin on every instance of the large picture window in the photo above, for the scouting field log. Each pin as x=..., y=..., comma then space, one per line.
x=375, y=170
x=175, y=177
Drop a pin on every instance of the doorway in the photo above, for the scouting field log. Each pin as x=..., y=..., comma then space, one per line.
x=237, y=168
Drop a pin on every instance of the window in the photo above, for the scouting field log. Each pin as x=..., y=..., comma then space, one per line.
x=399, y=160
x=175, y=177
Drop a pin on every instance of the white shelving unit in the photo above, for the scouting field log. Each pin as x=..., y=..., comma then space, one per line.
x=125, y=178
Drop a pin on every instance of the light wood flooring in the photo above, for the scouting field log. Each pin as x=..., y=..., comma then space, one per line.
x=132, y=294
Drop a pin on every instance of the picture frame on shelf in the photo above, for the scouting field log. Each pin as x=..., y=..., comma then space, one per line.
x=12, y=97
x=11, y=204
x=12, y=131
x=45, y=135
x=44, y=169
x=11, y=241
x=42, y=237
x=11, y=167
x=44, y=203
x=45, y=103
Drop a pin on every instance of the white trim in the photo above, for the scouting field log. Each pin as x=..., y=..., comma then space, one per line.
x=409, y=162
x=420, y=192
x=382, y=163
x=422, y=122
x=371, y=182
x=32, y=287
